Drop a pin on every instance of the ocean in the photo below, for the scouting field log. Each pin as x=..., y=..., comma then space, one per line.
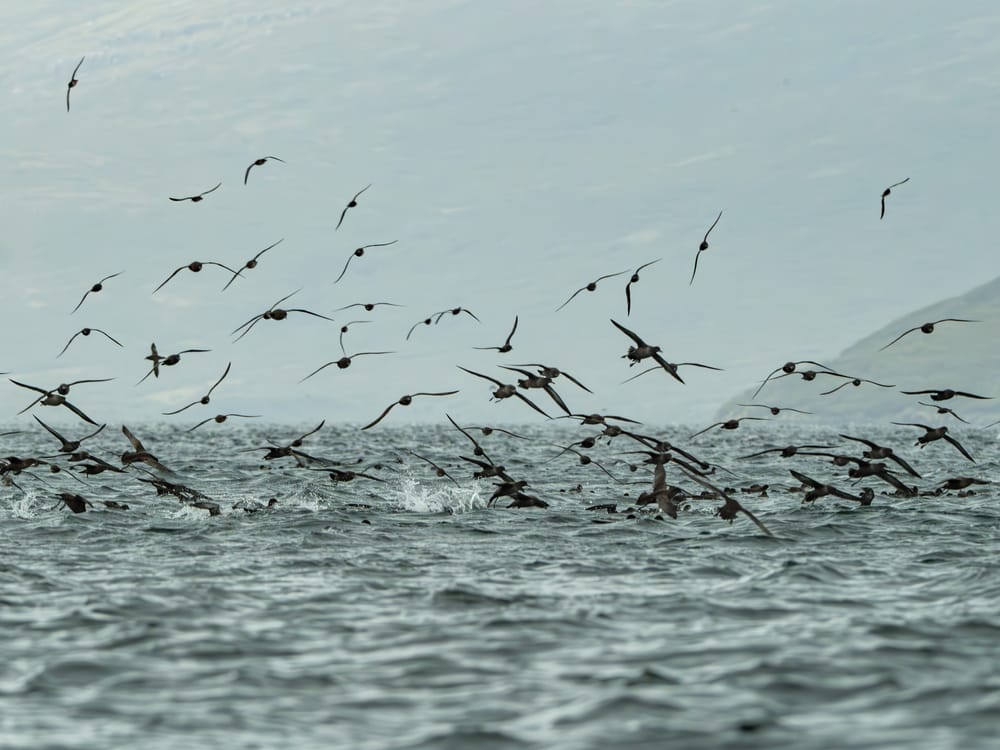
x=402, y=612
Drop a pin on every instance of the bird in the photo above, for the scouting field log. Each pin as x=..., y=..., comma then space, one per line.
x=731, y=506
x=358, y=253
x=943, y=410
x=76, y=503
x=506, y=390
x=251, y=264
x=936, y=433
x=274, y=313
x=195, y=267
x=87, y=332
x=455, y=311
x=346, y=328
x=220, y=418
x=199, y=197
x=634, y=278
x=72, y=81
x=95, y=288
x=877, y=452
x=928, y=328
x=592, y=286
x=788, y=368
x=642, y=350
x=67, y=446
x=204, y=399
x=506, y=346
x=437, y=469
x=369, y=306
x=533, y=380
x=851, y=381
x=169, y=361
x=351, y=204
x=945, y=394
x=405, y=400
x=885, y=194
x=554, y=372
x=343, y=363
x=57, y=397
x=139, y=454
x=729, y=424
x=775, y=410
x=703, y=247
x=818, y=490
x=257, y=163
x=788, y=451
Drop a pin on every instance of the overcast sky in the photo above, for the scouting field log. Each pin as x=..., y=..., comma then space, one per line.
x=516, y=151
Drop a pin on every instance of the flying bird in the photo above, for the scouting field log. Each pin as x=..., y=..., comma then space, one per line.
x=199, y=197
x=274, y=313
x=403, y=401
x=506, y=347
x=943, y=410
x=506, y=390
x=775, y=410
x=369, y=306
x=67, y=446
x=56, y=397
x=928, y=328
x=632, y=280
x=220, y=418
x=95, y=288
x=592, y=286
x=945, y=394
x=729, y=424
x=72, y=81
x=936, y=433
x=343, y=363
x=885, y=194
x=139, y=454
x=351, y=204
x=358, y=253
x=86, y=332
x=195, y=267
x=787, y=369
x=703, y=247
x=169, y=361
x=251, y=264
x=204, y=399
x=642, y=350
x=257, y=163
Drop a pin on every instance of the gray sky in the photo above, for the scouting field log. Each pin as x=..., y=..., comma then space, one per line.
x=517, y=151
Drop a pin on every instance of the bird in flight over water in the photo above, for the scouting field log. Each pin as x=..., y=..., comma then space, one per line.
x=199, y=197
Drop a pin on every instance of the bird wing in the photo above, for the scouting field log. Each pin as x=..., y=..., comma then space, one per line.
x=213, y=189
x=381, y=416
x=695, y=270
x=958, y=445
x=168, y=277
x=911, y=330
x=351, y=257
x=705, y=239
x=570, y=298
x=70, y=342
x=631, y=334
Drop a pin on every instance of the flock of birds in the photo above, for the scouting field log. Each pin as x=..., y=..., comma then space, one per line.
x=863, y=457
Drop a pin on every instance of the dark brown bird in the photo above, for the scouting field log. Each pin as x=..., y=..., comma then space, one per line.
x=944, y=394
x=703, y=247
x=943, y=410
x=592, y=286
x=404, y=401
x=928, y=328
x=139, y=454
x=437, y=469
x=87, y=332
x=936, y=433
x=204, y=399
x=878, y=452
x=251, y=264
x=848, y=380
x=506, y=390
x=343, y=363
x=346, y=328
x=274, y=313
x=775, y=410
x=67, y=446
x=351, y=204
x=787, y=369
x=633, y=279
x=642, y=350
x=788, y=451
x=506, y=347
x=731, y=505
x=360, y=252
x=220, y=418
x=199, y=197
x=729, y=424
x=258, y=162
x=195, y=267
x=57, y=397
x=76, y=503
x=531, y=380
x=887, y=191
x=818, y=490
x=72, y=81
x=169, y=361
x=95, y=288
x=369, y=306
x=554, y=372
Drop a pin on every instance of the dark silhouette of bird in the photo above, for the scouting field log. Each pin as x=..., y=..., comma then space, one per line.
x=887, y=191
x=251, y=264
x=343, y=363
x=72, y=81
x=274, y=313
x=195, y=267
x=199, y=196
x=204, y=400
x=87, y=332
x=506, y=390
x=404, y=401
x=945, y=394
x=634, y=279
x=94, y=289
x=703, y=247
x=258, y=162
x=592, y=286
x=351, y=204
x=360, y=252
x=220, y=418
x=936, y=433
x=775, y=410
x=506, y=346
x=928, y=328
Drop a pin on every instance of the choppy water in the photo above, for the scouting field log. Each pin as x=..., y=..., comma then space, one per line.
x=426, y=620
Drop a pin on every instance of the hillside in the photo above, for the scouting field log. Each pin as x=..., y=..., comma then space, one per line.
x=960, y=356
